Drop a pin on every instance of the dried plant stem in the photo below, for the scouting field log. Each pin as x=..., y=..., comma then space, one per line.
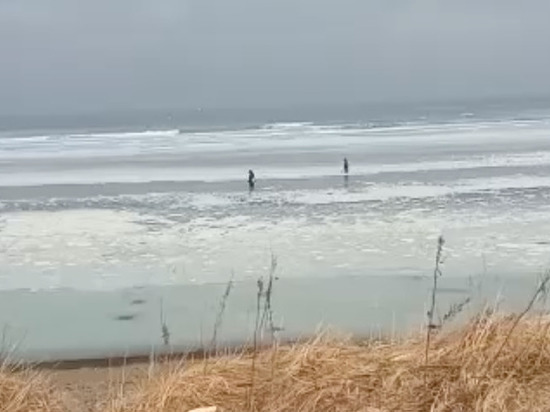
x=259, y=295
x=165, y=332
x=219, y=315
x=436, y=274
x=267, y=315
x=541, y=290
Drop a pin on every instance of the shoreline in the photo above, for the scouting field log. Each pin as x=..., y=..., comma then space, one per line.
x=107, y=362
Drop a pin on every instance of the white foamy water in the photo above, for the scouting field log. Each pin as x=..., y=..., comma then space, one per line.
x=105, y=250
x=115, y=210
x=284, y=137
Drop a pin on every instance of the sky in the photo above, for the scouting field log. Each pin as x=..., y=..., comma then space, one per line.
x=75, y=56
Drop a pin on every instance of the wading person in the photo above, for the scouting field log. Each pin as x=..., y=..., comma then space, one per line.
x=251, y=180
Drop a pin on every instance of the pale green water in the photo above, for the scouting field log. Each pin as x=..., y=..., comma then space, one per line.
x=73, y=324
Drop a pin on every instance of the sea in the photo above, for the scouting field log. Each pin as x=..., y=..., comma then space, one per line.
x=115, y=224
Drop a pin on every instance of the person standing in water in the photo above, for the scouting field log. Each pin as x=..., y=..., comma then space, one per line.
x=251, y=180
x=346, y=171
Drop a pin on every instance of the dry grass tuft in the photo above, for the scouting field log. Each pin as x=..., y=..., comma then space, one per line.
x=27, y=391
x=495, y=363
x=480, y=367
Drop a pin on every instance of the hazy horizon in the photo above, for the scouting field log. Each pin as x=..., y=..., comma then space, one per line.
x=71, y=57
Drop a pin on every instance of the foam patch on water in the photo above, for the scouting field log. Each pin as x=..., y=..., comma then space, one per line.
x=106, y=249
x=368, y=193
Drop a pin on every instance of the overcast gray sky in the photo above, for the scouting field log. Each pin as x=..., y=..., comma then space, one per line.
x=62, y=56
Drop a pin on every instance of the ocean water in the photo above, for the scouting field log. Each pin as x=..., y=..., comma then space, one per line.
x=112, y=208
x=108, y=210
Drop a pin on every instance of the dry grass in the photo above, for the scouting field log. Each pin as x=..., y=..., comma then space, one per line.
x=477, y=368
x=480, y=367
x=27, y=391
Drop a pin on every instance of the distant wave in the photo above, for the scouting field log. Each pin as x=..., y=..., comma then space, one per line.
x=286, y=138
x=339, y=125
x=99, y=135
x=129, y=135
x=287, y=125
x=463, y=119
